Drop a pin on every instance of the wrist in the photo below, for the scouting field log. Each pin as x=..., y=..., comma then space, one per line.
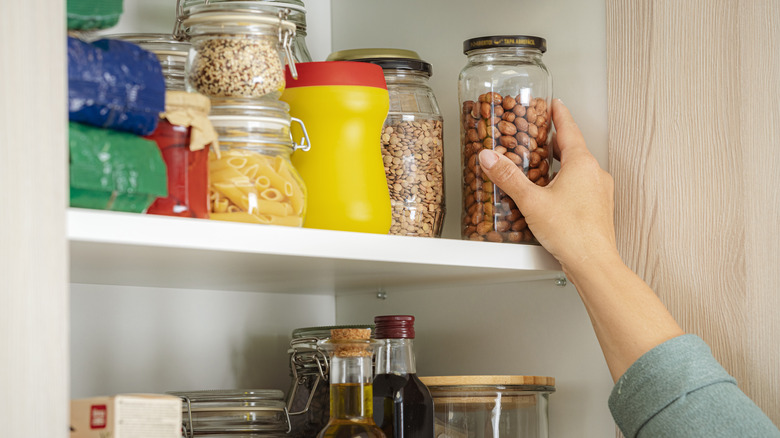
x=593, y=265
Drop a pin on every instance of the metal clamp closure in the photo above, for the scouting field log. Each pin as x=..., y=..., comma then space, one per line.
x=286, y=37
x=320, y=358
x=305, y=143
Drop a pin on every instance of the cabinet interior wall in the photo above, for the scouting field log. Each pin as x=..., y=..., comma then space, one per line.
x=130, y=339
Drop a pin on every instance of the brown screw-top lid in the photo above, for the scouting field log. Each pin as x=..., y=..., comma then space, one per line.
x=394, y=327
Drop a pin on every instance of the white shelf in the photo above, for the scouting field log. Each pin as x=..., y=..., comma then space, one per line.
x=160, y=251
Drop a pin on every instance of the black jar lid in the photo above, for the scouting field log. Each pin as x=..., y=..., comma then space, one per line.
x=487, y=42
x=388, y=59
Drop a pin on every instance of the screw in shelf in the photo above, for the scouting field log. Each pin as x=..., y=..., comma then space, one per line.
x=561, y=281
x=381, y=294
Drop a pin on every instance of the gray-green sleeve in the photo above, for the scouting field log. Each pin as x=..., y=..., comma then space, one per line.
x=678, y=389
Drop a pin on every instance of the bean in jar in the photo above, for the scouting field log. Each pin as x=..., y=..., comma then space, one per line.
x=505, y=94
x=412, y=153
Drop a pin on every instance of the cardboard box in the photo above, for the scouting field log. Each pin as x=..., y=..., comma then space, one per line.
x=126, y=416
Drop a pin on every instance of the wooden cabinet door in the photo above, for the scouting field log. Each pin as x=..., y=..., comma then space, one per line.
x=33, y=197
x=694, y=133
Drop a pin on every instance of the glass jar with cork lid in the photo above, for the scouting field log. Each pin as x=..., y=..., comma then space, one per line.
x=412, y=141
x=351, y=385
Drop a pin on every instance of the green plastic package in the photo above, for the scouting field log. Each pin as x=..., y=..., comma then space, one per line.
x=114, y=170
x=93, y=14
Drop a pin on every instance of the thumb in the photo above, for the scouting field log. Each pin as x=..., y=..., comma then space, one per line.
x=507, y=176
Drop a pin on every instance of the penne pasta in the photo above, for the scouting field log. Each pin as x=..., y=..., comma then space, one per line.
x=248, y=186
x=272, y=208
x=271, y=195
x=262, y=182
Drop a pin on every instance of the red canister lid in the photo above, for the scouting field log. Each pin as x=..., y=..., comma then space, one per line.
x=394, y=327
x=312, y=74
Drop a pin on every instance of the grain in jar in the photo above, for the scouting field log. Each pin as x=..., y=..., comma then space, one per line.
x=505, y=92
x=237, y=51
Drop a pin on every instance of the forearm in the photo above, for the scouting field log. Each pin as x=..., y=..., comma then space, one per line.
x=627, y=316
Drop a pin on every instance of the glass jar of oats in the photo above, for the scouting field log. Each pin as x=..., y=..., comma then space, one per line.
x=412, y=141
x=237, y=52
x=505, y=93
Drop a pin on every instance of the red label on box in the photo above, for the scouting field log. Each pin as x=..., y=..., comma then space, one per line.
x=98, y=417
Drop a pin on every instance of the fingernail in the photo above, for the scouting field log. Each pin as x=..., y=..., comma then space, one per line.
x=488, y=158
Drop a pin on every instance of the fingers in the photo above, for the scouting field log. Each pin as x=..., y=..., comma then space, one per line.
x=506, y=175
x=568, y=139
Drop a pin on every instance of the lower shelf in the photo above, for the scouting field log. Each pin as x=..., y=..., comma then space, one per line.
x=159, y=251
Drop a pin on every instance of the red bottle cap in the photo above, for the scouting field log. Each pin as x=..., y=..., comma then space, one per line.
x=394, y=327
x=325, y=73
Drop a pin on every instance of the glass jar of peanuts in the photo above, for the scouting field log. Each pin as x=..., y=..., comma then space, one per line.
x=237, y=51
x=251, y=177
x=412, y=141
x=505, y=92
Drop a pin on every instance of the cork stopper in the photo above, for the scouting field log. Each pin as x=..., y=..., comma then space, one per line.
x=351, y=342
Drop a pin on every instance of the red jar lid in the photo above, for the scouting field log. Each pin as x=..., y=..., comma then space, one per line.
x=394, y=327
x=312, y=74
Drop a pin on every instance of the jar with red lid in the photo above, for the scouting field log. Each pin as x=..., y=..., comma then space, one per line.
x=184, y=134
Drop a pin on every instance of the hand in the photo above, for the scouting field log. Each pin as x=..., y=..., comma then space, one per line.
x=572, y=217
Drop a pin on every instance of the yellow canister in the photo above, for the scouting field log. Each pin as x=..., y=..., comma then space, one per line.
x=344, y=106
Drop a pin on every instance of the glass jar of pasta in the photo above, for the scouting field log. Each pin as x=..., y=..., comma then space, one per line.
x=251, y=177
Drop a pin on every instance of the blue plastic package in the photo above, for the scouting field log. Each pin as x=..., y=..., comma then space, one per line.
x=114, y=84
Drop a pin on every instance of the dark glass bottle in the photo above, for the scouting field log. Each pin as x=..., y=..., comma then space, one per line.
x=351, y=403
x=403, y=404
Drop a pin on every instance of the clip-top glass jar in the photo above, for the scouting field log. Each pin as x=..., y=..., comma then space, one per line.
x=295, y=10
x=412, y=141
x=252, y=178
x=233, y=413
x=171, y=52
x=308, y=400
x=505, y=92
x=237, y=52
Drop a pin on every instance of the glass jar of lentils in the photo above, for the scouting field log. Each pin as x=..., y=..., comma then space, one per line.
x=412, y=141
x=505, y=92
x=237, y=51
